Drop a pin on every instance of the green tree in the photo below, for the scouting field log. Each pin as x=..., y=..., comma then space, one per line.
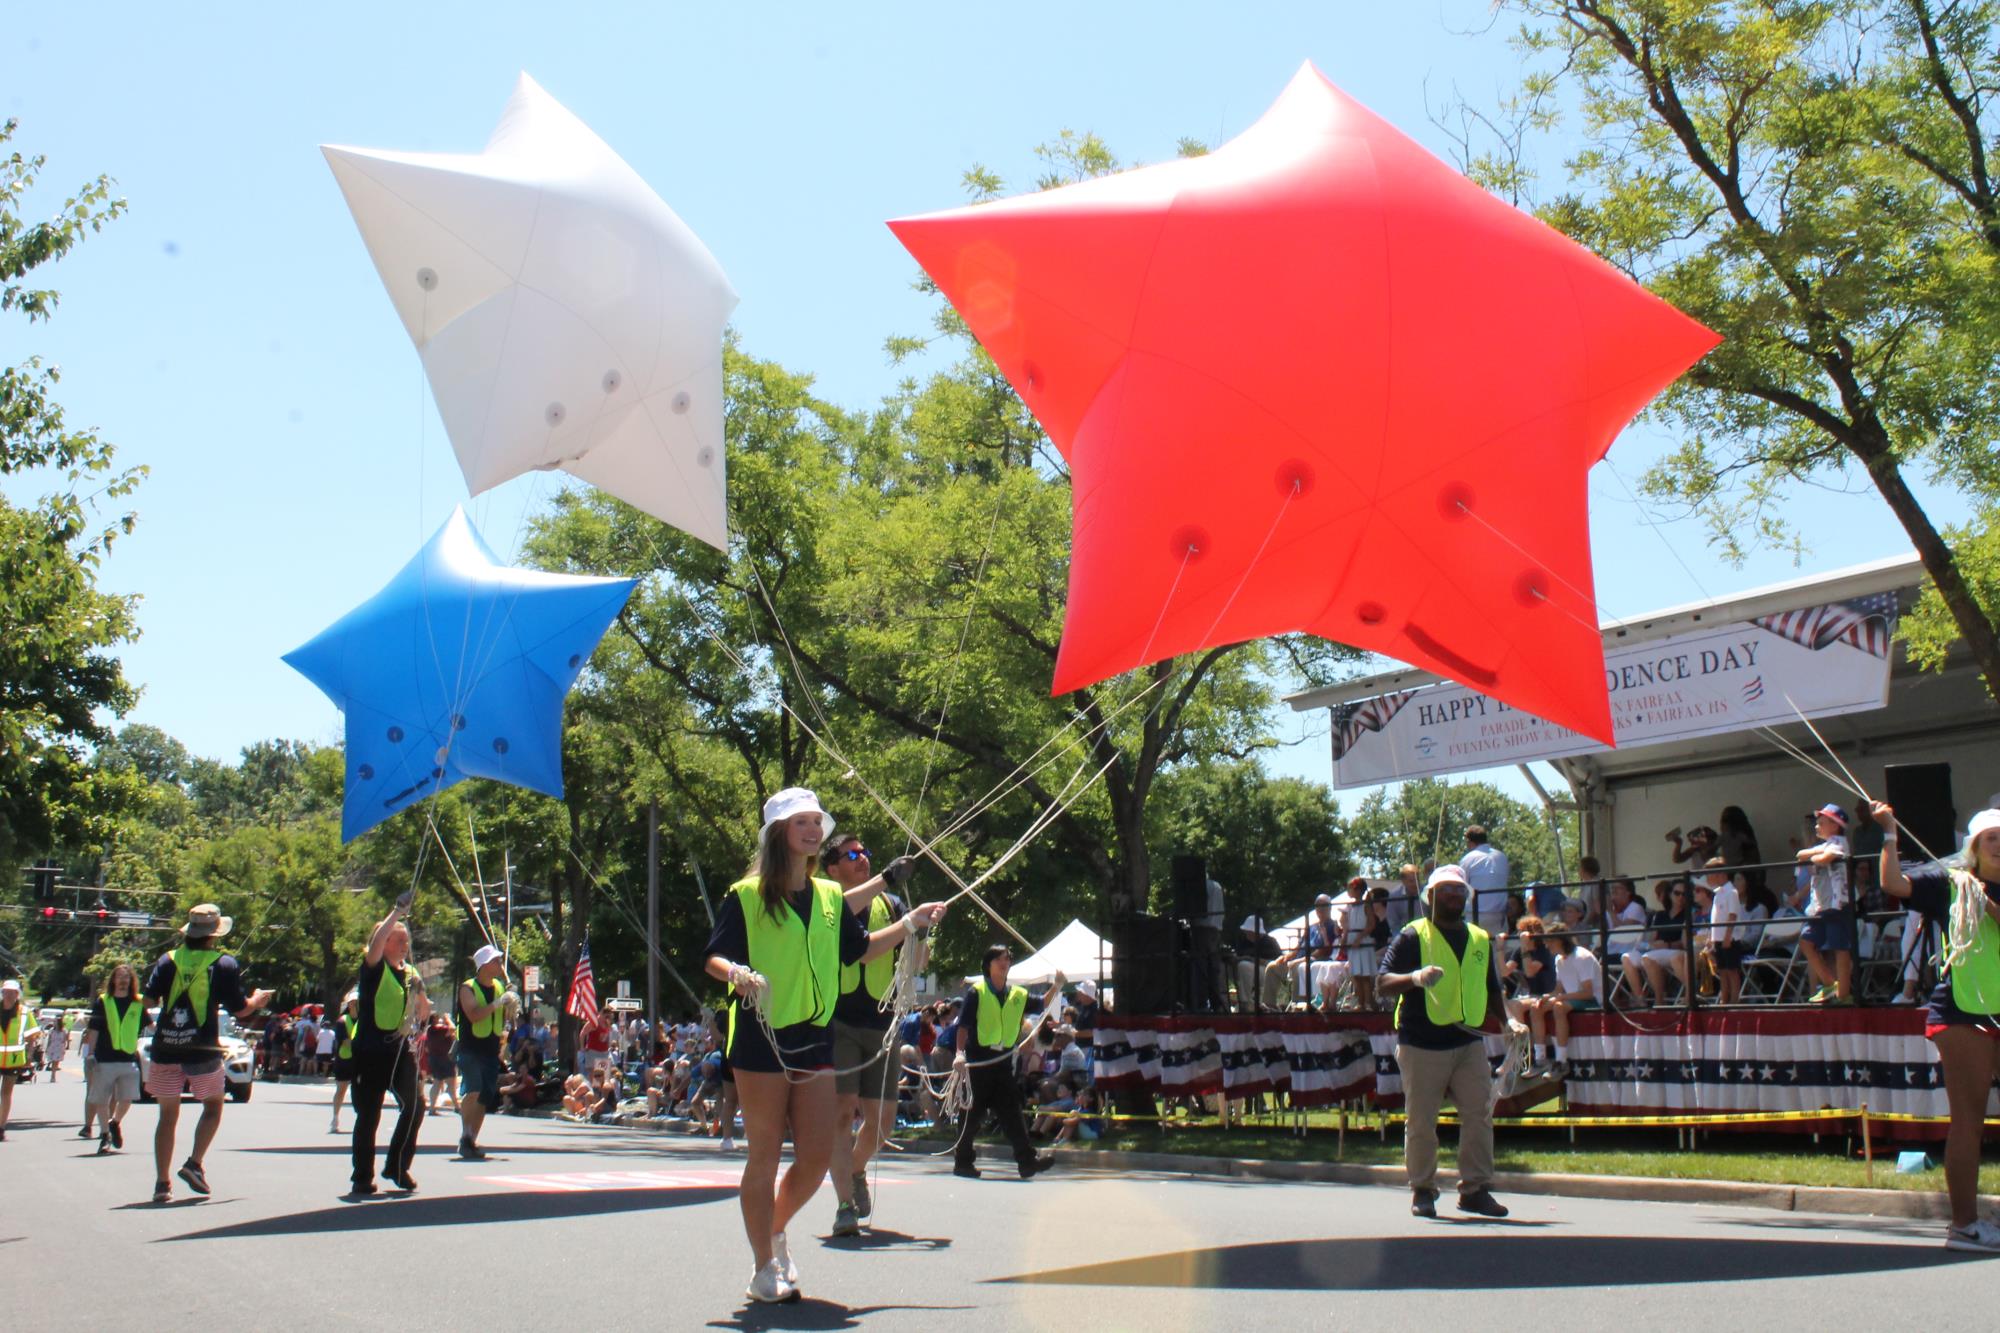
x=58, y=681
x=1425, y=820
x=1814, y=180
x=1272, y=843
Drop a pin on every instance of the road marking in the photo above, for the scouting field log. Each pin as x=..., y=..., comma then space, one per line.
x=579, y=1182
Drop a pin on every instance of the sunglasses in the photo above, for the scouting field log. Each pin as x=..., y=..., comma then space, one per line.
x=853, y=853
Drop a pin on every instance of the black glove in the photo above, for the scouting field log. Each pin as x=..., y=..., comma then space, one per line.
x=899, y=870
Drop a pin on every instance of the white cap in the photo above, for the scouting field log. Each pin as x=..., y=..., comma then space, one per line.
x=795, y=801
x=10, y=985
x=485, y=954
x=1254, y=924
x=1087, y=989
x=1985, y=819
x=1444, y=874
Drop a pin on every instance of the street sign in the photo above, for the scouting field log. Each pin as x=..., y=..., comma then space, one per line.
x=624, y=990
x=624, y=1005
x=531, y=978
x=135, y=918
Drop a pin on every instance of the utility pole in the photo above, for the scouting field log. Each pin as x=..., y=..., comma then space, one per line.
x=653, y=915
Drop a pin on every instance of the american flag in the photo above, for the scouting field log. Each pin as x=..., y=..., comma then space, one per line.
x=1866, y=623
x=1352, y=721
x=582, y=988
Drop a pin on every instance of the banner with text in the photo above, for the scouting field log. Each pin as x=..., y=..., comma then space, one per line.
x=1827, y=659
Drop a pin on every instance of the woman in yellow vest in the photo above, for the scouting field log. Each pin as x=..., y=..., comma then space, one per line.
x=13, y=1046
x=989, y=1031
x=1964, y=1018
x=1440, y=970
x=344, y=1027
x=392, y=1004
x=781, y=938
x=117, y=1018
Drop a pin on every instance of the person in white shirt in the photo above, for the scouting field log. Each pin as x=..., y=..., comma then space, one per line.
x=1486, y=875
x=1627, y=940
x=1357, y=938
x=1578, y=980
x=1829, y=927
x=1724, y=947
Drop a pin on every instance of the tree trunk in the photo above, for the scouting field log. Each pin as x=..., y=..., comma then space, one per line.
x=1980, y=635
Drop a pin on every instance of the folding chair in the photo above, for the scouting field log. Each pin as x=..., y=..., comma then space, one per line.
x=1776, y=971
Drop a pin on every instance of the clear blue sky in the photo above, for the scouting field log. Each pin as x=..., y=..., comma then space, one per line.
x=230, y=333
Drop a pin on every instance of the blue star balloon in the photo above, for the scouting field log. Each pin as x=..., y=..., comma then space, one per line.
x=457, y=669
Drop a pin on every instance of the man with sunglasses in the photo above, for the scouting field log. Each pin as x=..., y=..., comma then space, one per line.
x=865, y=1078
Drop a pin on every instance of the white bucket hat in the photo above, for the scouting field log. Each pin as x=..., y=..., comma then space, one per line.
x=795, y=801
x=1444, y=874
x=485, y=954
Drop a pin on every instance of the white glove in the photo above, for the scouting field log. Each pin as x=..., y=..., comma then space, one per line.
x=749, y=984
x=958, y=1061
x=1516, y=1029
x=1430, y=977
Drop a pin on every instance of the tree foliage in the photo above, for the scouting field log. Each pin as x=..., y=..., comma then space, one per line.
x=1424, y=821
x=1814, y=180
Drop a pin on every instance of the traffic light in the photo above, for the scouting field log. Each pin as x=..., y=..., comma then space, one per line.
x=55, y=914
x=105, y=916
x=45, y=873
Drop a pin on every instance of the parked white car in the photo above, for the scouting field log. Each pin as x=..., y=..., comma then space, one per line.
x=238, y=1059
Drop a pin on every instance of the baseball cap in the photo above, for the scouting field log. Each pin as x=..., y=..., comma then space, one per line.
x=794, y=801
x=1087, y=989
x=1984, y=820
x=1833, y=812
x=1254, y=923
x=485, y=954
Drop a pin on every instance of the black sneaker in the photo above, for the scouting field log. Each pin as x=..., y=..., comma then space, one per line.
x=361, y=1189
x=117, y=1136
x=1481, y=1202
x=966, y=1169
x=1423, y=1203
x=405, y=1182
x=1034, y=1166
x=84, y=1132
x=163, y=1192
x=104, y=1144
x=192, y=1173
x=470, y=1151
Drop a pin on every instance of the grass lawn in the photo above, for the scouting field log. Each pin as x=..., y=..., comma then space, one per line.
x=1779, y=1159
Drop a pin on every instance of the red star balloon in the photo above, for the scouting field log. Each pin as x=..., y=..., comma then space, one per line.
x=1317, y=380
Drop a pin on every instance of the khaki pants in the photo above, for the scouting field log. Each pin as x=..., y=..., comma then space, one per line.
x=1255, y=980
x=1429, y=1077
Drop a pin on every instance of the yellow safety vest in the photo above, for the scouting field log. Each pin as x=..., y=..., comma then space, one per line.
x=348, y=1024
x=1000, y=1020
x=879, y=974
x=14, y=1041
x=1975, y=981
x=801, y=964
x=191, y=979
x=489, y=1025
x=392, y=998
x=1460, y=995
x=123, y=1028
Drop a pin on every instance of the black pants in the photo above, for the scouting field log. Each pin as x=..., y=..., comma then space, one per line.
x=995, y=1093
x=376, y=1073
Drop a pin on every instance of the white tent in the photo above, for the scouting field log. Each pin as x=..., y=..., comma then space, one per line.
x=1077, y=952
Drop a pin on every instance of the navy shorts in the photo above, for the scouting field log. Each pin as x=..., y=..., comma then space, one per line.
x=479, y=1076
x=807, y=1047
x=1729, y=957
x=1831, y=932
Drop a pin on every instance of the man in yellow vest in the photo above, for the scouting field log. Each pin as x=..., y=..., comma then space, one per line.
x=989, y=1037
x=191, y=984
x=392, y=1007
x=14, y=1026
x=865, y=1078
x=482, y=1013
x=1440, y=971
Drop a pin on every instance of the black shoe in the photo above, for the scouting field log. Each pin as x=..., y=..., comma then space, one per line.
x=405, y=1182
x=117, y=1137
x=966, y=1169
x=103, y=1144
x=1423, y=1203
x=1482, y=1202
x=162, y=1192
x=84, y=1132
x=1034, y=1166
x=469, y=1151
x=192, y=1173
x=361, y=1189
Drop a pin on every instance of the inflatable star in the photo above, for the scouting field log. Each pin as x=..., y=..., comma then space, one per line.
x=457, y=669
x=1317, y=380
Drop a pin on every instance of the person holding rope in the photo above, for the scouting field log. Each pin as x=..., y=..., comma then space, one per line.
x=346, y=1025
x=192, y=983
x=781, y=938
x=482, y=1012
x=1964, y=1018
x=117, y=1017
x=1445, y=963
x=392, y=1004
x=989, y=1033
x=866, y=1078
x=13, y=1046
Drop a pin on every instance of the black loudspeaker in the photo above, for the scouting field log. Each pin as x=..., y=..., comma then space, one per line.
x=1190, y=888
x=1145, y=964
x=1921, y=794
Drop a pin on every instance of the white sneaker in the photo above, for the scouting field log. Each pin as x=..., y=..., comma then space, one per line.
x=769, y=1285
x=1982, y=1237
x=728, y=1144
x=781, y=1255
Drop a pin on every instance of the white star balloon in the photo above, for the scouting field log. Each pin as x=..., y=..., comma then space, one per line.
x=566, y=317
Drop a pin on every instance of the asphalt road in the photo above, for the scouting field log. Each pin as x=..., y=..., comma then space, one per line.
x=572, y=1226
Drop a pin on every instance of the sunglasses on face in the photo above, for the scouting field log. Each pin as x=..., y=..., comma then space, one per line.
x=853, y=853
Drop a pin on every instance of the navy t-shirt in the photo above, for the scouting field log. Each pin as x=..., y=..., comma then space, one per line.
x=184, y=1037
x=1930, y=893
x=107, y=1054
x=857, y=1007
x=1542, y=982
x=1413, y=1020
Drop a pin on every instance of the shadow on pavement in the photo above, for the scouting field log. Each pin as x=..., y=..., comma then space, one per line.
x=880, y=1238
x=811, y=1314
x=1495, y=1262
x=462, y=1210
